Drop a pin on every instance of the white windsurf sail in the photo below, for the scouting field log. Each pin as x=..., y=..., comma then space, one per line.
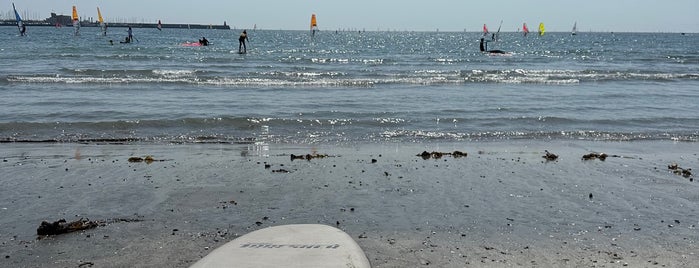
x=496, y=36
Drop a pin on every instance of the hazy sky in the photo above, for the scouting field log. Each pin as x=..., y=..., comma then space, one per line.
x=423, y=15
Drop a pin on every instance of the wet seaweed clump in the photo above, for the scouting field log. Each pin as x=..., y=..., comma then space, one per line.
x=549, y=156
x=437, y=155
x=148, y=159
x=593, y=156
x=308, y=156
x=676, y=169
x=62, y=226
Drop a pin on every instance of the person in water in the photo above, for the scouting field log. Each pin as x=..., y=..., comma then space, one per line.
x=130, y=37
x=23, y=31
x=241, y=42
x=484, y=48
x=203, y=41
x=126, y=40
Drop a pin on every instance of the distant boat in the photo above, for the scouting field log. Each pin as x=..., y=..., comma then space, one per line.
x=160, y=26
x=20, y=26
x=103, y=26
x=575, y=29
x=542, y=30
x=76, y=21
x=314, y=25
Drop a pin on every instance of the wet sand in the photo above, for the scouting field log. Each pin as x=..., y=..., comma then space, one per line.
x=502, y=205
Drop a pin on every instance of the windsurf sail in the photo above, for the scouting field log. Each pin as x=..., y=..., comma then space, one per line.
x=160, y=26
x=485, y=29
x=103, y=26
x=575, y=28
x=76, y=21
x=496, y=36
x=20, y=25
x=542, y=30
x=525, y=29
x=314, y=25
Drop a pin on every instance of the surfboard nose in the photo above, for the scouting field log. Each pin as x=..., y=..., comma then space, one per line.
x=294, y=245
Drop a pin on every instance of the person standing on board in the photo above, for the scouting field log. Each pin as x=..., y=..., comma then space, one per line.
x=130, y=38
x=241, y=42
x=23, y=31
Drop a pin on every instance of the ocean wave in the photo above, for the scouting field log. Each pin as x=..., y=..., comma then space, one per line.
x=327, y=136
x=334, y=126
x=348, y=78
x=516, y=76
x=590, y=135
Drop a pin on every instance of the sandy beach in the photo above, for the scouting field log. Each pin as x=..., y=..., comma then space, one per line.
x=502, y=205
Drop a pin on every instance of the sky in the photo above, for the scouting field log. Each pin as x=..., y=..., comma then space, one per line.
x=370, y=15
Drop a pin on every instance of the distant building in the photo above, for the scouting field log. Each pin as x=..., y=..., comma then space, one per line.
x=59, y=19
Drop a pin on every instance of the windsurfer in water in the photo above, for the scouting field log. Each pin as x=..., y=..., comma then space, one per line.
x=203, y=41
x=23, y=31
x=484, y=48
x=241, y=42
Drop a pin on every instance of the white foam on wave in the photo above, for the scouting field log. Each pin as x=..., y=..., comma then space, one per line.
x=346, y=61
x=93, y=80
x=340, y=79
x=174, y=73
x=422, y=134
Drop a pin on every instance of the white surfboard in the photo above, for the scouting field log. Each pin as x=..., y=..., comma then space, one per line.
x=295, y=245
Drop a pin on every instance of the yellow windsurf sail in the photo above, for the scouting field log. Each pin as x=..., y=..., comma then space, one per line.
x=542, y=30
x=103, y=26
x=99, y=16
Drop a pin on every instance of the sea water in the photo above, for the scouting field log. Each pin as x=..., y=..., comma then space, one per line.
x=345, y=87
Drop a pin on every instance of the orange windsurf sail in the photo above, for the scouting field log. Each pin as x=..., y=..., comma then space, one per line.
x=314, y=22
x=75, y=13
